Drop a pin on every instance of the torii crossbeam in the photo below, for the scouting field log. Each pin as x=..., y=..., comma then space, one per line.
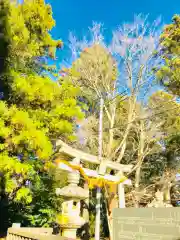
x=86, y=157
x=79, y=156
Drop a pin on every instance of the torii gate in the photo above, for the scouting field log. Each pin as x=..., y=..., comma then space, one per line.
x=79, y=156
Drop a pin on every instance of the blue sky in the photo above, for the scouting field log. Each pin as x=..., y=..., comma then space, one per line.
x=77, y=16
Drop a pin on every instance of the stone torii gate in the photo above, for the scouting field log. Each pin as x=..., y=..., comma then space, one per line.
x=79, y=156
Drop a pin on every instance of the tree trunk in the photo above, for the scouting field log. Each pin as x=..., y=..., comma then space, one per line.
x=122, y=146
x=111, y=130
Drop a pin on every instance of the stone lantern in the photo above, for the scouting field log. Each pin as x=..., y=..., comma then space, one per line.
x=72, y=194
x=158, y=202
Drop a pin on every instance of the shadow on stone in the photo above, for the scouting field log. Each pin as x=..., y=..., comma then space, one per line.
x=84, y=231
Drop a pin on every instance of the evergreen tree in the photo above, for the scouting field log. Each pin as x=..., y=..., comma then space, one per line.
x=34, y=110
x=169, y=74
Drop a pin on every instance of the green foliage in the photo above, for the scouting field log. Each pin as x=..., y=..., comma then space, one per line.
x=21, y=135
x=30, y=24
x=45, y=205
x=34, y=111
x=3, y=39
x=169, y=74
x=50, y=105
x=166, y=109
x=20, y=139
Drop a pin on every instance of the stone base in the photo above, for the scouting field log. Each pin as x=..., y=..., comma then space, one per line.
x=69, y=233
x=70, y=225
x=69, y=229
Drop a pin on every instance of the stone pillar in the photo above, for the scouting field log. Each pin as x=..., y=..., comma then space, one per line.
x=121, y=195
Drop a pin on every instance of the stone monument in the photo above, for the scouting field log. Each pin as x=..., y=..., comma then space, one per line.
x=158, y=202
